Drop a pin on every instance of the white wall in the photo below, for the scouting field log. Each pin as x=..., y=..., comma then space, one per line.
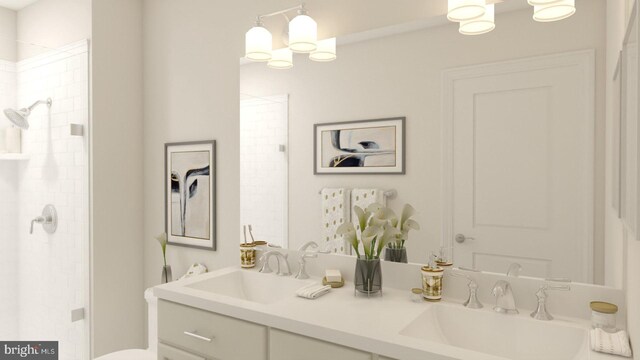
x=48, y=24
x=8, y=28
x=117, y=183
x=400, y=76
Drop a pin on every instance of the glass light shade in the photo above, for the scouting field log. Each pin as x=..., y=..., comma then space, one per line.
x=257, y=44
x=303, y=34
x=326, y=51
x=540, y=2
x=281, y=59
x=462, y=10
x=555, y=11
x=481, y=25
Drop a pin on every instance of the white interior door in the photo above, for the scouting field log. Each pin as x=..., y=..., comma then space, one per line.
x=521, y=165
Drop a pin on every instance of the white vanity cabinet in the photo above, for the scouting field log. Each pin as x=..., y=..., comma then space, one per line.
x=208, y=335
x=188, y=333
x=287, y=346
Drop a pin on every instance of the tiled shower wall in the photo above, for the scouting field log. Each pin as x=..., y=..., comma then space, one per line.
x=8, y=214
x=53, y=268
x=263, y=167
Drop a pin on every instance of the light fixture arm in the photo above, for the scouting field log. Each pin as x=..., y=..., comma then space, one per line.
x=297, y=7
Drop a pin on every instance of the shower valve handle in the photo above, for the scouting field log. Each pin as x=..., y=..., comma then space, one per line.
x=38, y=220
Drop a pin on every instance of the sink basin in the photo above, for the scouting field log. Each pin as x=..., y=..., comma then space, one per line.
x=506, y=336
x=251, y=286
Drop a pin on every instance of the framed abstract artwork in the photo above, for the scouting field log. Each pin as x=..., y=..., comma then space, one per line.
x=360, y=147
x=190, y=194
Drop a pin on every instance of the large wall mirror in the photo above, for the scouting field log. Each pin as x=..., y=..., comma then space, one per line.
x=504, y=147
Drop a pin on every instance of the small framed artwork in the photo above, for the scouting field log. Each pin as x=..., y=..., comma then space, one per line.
x=190, y=194
x=360, y=147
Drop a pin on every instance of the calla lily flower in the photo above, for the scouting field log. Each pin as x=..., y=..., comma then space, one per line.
x=349, y=234
x=407, y=212
x=390, y=233
x=368, y=239
x=363, y=216
x=163, y=240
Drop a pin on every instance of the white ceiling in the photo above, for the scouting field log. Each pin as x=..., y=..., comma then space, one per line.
x=16, y=4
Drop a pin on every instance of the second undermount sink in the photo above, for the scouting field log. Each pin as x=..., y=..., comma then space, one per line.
x=504, y=336
x=251, y=286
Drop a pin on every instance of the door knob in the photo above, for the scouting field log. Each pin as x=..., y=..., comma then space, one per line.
x=460, y=238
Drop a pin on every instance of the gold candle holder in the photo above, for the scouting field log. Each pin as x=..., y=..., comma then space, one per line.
x=247, y=255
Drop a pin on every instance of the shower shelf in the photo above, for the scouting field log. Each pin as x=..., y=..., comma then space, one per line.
x=13, y=157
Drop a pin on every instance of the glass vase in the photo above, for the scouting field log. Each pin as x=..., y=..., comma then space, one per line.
x=368, y=276
x=166, y=274
x=398, y=255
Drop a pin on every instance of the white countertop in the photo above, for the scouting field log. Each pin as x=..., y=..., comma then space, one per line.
x=368, y=324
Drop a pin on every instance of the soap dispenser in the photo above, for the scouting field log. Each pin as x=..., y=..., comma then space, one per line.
x=432, y=280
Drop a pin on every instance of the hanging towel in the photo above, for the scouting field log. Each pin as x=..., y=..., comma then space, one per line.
x=335, y=212
x=313, y=291
x=610, y=343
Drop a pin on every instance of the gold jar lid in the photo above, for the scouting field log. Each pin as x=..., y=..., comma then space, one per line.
x=247, y=245
x=260, y=242
x=430, y=269
x=416, y=291
x=604, y=307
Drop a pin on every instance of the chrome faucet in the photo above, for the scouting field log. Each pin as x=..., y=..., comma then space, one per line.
x=505, y=302
x=302, y=271
x=313, y=245
x=265, y=263
x=472, y=301
x=541, y=312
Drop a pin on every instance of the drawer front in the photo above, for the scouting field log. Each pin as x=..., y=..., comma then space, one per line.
x=212, y=335
x=288, y=346
x=166, y=352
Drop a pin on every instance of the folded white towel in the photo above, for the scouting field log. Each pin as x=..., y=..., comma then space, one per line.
x=313, y=291
x=610, y=343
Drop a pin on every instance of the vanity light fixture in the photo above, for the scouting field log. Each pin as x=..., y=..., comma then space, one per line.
x=281, y=59
x=480, y=25
x=326, y=51
x=258, y=42
x=303, y=32
x=547, y=11
x=463, y=10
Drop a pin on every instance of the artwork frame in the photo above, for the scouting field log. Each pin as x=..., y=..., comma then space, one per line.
x=190, y=208
x=349, y=147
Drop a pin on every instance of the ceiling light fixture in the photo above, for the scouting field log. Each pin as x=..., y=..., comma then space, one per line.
x=281, y=59
x=547, y=11
x=463, y=10
x=326, y=51
x=480, y=25
x=303, y=32
x=258, y=43
x=302, y=38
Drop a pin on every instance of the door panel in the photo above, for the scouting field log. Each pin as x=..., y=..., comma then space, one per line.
x=522, y=165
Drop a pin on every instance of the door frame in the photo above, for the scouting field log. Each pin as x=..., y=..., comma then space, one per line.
x=585, y=61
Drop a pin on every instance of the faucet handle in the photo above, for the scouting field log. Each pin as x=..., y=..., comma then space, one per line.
x=541, y=312
x=472, y=302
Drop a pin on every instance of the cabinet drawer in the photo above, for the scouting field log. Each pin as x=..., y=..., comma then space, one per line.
x=288, y=346
x=166, y=352
x=212, y=335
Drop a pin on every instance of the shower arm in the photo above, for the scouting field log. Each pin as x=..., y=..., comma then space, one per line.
x=47, y=102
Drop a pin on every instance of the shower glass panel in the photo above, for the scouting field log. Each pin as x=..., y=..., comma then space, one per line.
x=44, y=187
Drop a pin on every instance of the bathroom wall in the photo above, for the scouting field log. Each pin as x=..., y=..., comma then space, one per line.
x=54, y=266
x=50, y=24
x=263, y=167
x=8, y=214
x=8, y=28
x=399, y=76
x=118, y=305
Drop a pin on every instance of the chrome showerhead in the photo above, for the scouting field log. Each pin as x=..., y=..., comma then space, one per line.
x=19, y=117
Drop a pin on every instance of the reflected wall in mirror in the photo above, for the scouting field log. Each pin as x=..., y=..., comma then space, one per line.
x=505, y=137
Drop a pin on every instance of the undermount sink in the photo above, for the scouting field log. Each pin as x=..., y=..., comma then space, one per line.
x=251, y=286
x=506, y=336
